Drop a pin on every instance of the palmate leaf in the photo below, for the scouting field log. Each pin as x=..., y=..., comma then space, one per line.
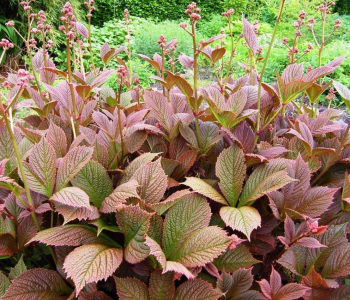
x=244, y=219
x=71, y=235
x=185, y=217
x=131, y=289
x=71, y=164
x=94, y=181
x=196, y=289
x=134, y=223
x=203, y=188
x=37, y=284
x=231, y=170
x=41, y=169
x=91, y=263
x=161, y=286
x=265, y=178
x=235, y=259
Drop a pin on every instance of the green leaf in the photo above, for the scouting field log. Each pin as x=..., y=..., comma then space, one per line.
x=4, y=283
x=131, y=289
x=244, y=219
x=203, y=188
x=41, y=169
x=94, y=181
x=72, y=196
x=188, y=215
x=134, y=223
x=71, y=164
x=231, y=171
x=201, y=247
x=40, y=284
x=101, y=225
x=19, y=268
x=235, y=259
x=91, y=263
x=265, y=178
x=196, y=289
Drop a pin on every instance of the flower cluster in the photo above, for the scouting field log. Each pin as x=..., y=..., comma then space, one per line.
x=91, y=8
x=70, y=22
x=193, y=11
x=23, y=78
x=25, y=5
x=228, y=13
x=6, y=44
x=161, y=42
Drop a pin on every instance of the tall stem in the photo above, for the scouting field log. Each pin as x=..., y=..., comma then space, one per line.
x=195, y=78
x=90, y=46
x=120, y=122
x=75, y=124
x=265, y=64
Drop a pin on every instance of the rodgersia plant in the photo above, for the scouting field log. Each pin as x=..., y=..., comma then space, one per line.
x=237, y=190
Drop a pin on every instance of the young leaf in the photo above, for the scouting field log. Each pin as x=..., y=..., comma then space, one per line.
x=94, y=181
x=134, y=223
x=231, y=170
x=72, y=196
x=319, y=289
x=161, y=286
x=91, y=263
x=19, y=268
x=265, y=178
x=203, y=188
x=235, y=259
x=71, y=164
x=185, y=217
x=249, y=35
x=244, y=219
x=36, y=284
x=57, y=138
x=81, y=213
x=131, y=289
x=196, y=289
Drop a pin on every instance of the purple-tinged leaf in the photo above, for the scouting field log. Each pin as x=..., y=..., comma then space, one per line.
x=70, y=235
x=318, y=287
x=244, y=219
x=72, y=196
x=81, y=213
x=71, y=164
x=293, y=72
x=36, y=284
x=131, y=289
x=336, y=62
x=91, y=263
x=82, y=29
x=338, y=263
x=134, y=223
x=101, y=78
x=161, y=286
x=249, y=35
x=196, y=289
x=186, y=61
x=318, y=73
x=119, y=196
x=309, y=242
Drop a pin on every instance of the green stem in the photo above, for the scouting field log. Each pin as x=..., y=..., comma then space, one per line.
x=120, y=122
x=265, y=64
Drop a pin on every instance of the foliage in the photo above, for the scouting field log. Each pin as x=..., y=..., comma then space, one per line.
x=235, y=190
